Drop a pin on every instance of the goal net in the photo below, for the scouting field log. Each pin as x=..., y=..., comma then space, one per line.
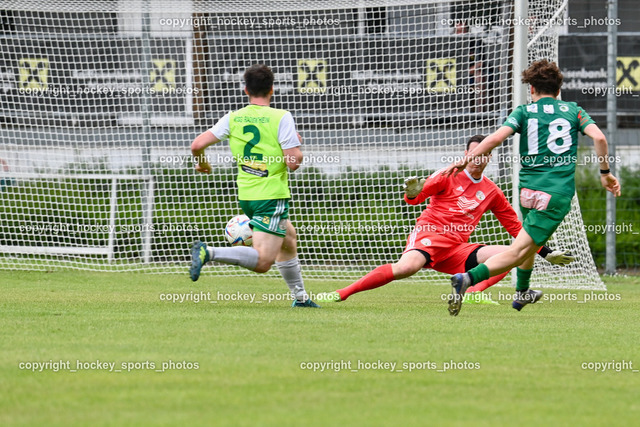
x=101, y=100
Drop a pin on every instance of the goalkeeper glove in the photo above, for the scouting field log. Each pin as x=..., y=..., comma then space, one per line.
x=561, y=258
x=413, y=186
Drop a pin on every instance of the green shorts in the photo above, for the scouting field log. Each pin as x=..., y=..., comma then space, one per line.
x=542, y=213
x=269, y=216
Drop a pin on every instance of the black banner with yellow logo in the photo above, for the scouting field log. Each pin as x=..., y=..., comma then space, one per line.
x=583, y=61
x=365, y=78
x=94, y=82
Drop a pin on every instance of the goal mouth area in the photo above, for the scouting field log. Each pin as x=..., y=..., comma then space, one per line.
x=108, y=95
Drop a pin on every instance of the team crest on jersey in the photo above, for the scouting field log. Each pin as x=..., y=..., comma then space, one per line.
x=532, y=108
x=564, y=108
x=480, y=195
x=467, y=205
x=426, y=242
x=548, y=109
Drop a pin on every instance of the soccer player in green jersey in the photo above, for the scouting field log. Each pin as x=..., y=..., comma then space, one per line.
x=265, y=144
x=548, y=154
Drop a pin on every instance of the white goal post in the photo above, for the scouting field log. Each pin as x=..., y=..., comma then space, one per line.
x=101, y=100
x=109, y=226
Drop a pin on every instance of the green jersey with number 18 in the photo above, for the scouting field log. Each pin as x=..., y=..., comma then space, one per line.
x=257, y=137
x=549, y=143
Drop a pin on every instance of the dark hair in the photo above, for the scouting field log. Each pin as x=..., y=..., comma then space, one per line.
x=544, y=76
x=259, y=80
x=474, y=138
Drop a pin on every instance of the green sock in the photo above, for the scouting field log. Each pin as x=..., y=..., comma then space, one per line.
x=479, y=273
x=523, y=277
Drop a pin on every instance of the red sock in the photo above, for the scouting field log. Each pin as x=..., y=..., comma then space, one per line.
x=376, y=278
x=487, y=283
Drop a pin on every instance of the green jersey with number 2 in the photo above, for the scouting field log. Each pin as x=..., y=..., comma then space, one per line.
x=549, y=143
x=253, y=139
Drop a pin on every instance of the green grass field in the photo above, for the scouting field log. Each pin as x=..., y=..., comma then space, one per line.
x=244, y=363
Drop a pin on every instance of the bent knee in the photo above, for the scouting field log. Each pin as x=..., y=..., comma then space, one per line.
x=291, y=233
x=289, y=243
x=263, y=267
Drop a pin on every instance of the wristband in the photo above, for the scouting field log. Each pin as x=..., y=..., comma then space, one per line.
x=605, y=171
x=544, y=251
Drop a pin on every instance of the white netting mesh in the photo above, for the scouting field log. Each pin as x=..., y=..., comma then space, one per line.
x=102, y=99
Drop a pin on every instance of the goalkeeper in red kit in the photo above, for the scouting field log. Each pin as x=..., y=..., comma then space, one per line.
x=439, y=240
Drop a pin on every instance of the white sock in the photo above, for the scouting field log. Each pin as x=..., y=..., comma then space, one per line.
x=239, y=255
x=292, y=275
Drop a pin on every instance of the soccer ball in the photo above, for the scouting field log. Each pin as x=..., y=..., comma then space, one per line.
x=238, y=232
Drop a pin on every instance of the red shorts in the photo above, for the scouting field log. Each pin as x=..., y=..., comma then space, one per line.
x=447, y=255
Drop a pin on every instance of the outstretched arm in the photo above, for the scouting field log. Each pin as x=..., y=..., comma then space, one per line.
x=417, y=190
x=609, y=182
x=485, y=147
